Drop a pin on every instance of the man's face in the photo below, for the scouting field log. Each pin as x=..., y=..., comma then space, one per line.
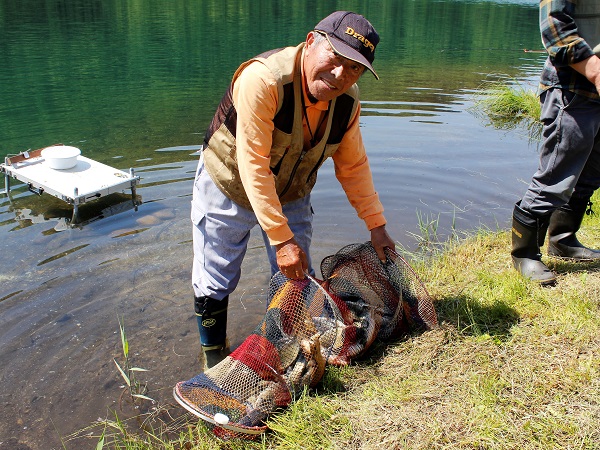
x=327, y=73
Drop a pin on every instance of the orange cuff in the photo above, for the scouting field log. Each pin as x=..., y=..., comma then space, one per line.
x=374, y=221
x=279, y=234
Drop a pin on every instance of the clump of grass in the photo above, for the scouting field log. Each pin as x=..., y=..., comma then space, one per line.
x=427, y=238
x=509, y=106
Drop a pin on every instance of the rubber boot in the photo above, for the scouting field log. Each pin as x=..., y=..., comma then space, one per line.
x=212, y=325
x=564, y=223
x=528, y=234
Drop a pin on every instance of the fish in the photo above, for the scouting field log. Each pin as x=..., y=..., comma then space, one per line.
x=315, y=367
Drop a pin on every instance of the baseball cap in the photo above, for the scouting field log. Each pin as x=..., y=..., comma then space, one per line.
x=352, y=36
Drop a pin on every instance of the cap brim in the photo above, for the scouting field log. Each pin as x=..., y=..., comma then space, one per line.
x=348, y=52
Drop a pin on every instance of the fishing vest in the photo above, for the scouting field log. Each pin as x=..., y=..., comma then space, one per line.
x=293, y=166
x=587, y=19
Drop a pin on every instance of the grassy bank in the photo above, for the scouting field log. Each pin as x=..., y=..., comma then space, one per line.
x=512, y=365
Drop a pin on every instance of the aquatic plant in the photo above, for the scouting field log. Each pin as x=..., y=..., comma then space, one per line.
x=507, y=106
x=135, y=388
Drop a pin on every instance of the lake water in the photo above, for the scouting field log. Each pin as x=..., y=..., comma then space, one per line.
x=135, y=84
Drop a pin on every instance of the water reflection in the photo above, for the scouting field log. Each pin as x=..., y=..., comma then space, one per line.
x=62, y=254
x=125, y=79
x=406, y=109
x=37, y=209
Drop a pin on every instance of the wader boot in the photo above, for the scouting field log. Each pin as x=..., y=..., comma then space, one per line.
x=528, y=233
x=564, y=223
x=212, y=324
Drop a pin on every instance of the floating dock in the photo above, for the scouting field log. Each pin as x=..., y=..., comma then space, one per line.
x=88, y=180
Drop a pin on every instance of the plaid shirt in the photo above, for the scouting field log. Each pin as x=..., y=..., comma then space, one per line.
x=564, y=47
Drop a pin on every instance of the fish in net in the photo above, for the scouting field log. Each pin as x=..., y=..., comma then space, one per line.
x=308, y=324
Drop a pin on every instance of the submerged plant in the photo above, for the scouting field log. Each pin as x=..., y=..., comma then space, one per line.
x=509, y=106
x=136, y=389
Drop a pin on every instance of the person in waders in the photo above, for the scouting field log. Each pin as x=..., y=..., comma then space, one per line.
x=286, y=111
x=559, y=194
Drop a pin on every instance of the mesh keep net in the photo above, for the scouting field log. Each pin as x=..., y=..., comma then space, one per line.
x=308, y=324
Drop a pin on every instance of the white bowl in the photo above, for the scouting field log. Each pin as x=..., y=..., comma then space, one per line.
x=61, y=156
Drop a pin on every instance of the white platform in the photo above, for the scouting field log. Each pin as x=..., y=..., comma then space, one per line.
x=88, y=180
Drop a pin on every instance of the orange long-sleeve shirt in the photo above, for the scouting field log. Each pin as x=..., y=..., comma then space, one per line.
x=255, y=98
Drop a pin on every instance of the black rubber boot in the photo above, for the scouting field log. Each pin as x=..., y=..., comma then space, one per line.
x=528, y=234
x=564, y=223
x=212, y=325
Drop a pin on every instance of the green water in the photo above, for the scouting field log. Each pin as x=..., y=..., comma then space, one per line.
x=121, y=79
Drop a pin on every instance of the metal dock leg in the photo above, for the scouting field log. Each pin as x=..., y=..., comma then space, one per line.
x=6, y=180
x=75, y=218
x=6, y=185
x=133, y=190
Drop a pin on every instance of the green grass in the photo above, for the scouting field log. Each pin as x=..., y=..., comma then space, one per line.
x=507, y=107
x=513, y=365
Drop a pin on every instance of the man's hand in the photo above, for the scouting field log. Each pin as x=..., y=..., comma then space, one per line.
x=381, y=239
x=291, y=259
